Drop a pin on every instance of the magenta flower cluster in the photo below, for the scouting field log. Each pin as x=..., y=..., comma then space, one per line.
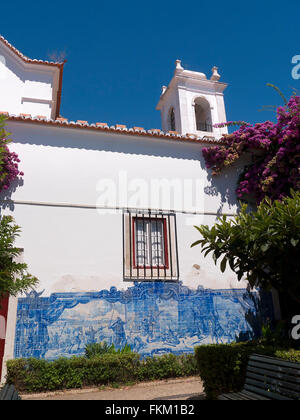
x=9, y=168
x=274, y=152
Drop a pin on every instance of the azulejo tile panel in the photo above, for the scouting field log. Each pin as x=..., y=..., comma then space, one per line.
x=153, y=318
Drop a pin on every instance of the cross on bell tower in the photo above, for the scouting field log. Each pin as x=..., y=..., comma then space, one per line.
x=192, y=104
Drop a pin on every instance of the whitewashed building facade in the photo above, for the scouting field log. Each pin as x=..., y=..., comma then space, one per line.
x=107, y=215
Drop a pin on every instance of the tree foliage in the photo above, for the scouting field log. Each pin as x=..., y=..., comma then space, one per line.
x=14, y=277
x=263, y=245
x=9, y=169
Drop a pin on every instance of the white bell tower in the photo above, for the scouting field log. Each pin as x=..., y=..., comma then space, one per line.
x=192, y=104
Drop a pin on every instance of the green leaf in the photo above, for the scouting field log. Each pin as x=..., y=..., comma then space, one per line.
x=264, y=247
x=196, y=243
x=223, y=264
x=294, y=242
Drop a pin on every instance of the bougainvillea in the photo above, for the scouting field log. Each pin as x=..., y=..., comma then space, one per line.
x=275, y=151
x=9, y=169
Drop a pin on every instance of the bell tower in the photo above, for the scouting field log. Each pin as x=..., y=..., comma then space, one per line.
x=192, y=104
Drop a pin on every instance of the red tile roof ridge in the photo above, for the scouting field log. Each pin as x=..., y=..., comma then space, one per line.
x=117, y=128
x=30, y=60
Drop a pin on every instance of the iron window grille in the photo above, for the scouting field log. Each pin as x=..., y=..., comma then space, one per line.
x=150, y=246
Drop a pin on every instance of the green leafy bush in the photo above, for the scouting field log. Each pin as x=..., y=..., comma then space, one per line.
x=167, y=366
x=263, y=245
x=222, y=367
x=289, y=355
x=14, y=277
x=96, y=349
x=33, y=375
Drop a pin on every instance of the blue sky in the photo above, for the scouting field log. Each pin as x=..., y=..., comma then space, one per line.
x=119, y=54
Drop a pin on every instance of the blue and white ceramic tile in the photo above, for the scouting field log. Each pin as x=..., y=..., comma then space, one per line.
x=153, y=318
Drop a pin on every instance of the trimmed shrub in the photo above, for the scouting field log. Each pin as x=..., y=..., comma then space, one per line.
x=167, y=366
x=33, y=375
x=289, y=355
x=223, y=367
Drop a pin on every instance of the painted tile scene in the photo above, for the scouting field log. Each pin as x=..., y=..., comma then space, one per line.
x=153, y=318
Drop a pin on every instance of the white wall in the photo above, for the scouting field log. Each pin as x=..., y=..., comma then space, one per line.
x=26, y=88
x=71, y=242
x=80, y=249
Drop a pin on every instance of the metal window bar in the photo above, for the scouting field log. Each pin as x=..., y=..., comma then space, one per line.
x=145, y=245
x=150, y=233
x=164, y=249
x=157, y=251
x=170, y=247
x=152, y=246
x=176, y=245
x=130, y=244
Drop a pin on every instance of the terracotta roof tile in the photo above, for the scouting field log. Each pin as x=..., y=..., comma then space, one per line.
x=118, y=128
x=29, y=60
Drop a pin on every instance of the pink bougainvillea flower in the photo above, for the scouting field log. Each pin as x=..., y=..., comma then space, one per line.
x=275, y=150
x=9, y=169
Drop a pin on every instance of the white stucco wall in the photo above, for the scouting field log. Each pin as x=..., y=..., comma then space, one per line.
x=26, y=88
x=80, y=248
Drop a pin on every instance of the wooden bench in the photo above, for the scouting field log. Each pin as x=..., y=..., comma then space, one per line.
x=269, y=378
x=9, y=392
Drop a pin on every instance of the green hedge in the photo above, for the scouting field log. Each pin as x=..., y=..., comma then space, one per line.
x=167, y=366
x=289, y=355
x=33, y=375
x=222, y=367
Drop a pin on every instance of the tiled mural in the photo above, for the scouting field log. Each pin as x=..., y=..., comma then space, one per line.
x=153, y=318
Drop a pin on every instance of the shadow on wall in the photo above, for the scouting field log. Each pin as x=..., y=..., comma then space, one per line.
x=5, y=196
x=262, y=302
x=83, y=139
x=153, y=318
x=49, y=137
x=15, y=67
x=226, y=183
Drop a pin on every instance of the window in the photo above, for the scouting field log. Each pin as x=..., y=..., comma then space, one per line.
x=150, y=245
x=203, y=115
x=172, y=120
x=150, y=242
